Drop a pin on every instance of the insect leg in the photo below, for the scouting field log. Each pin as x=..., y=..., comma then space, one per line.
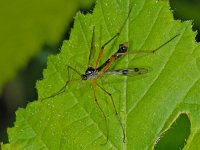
x=116, y=113
x=151, y=51
x=92, y=48
x=112, y=38
x=96, y=101
x=62, y=90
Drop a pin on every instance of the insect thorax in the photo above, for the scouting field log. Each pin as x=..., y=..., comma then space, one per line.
x=90, y=73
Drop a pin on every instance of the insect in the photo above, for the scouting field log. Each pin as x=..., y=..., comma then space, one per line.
x=94, y=73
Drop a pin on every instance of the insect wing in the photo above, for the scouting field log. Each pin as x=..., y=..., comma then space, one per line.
x=128, y=71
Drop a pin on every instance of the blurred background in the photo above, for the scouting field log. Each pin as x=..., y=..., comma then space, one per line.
x=32, y=30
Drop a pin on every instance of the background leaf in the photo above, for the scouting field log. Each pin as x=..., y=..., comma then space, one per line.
x=148, y=104
x=30, y=30
x=28, y=26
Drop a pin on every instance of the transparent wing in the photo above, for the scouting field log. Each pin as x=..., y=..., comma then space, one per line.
x=128, y=71
x=92, y=49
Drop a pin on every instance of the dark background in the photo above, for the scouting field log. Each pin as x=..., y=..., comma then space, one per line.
x=23, y=88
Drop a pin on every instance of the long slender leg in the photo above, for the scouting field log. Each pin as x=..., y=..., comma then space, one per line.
x=154, y=50
x=122, y=52
x=62, y=90
x=112, y=38
x=92, y=49
x=107, y=133
x=116, y=113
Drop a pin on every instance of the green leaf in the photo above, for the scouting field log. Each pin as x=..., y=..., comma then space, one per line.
x=147, y=104
x=26, y=26
x=176, y=136
x=187, y=10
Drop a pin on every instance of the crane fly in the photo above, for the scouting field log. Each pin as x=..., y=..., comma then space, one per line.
x=94, y=73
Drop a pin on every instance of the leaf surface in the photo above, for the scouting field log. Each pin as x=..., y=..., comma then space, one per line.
x=147, y=104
